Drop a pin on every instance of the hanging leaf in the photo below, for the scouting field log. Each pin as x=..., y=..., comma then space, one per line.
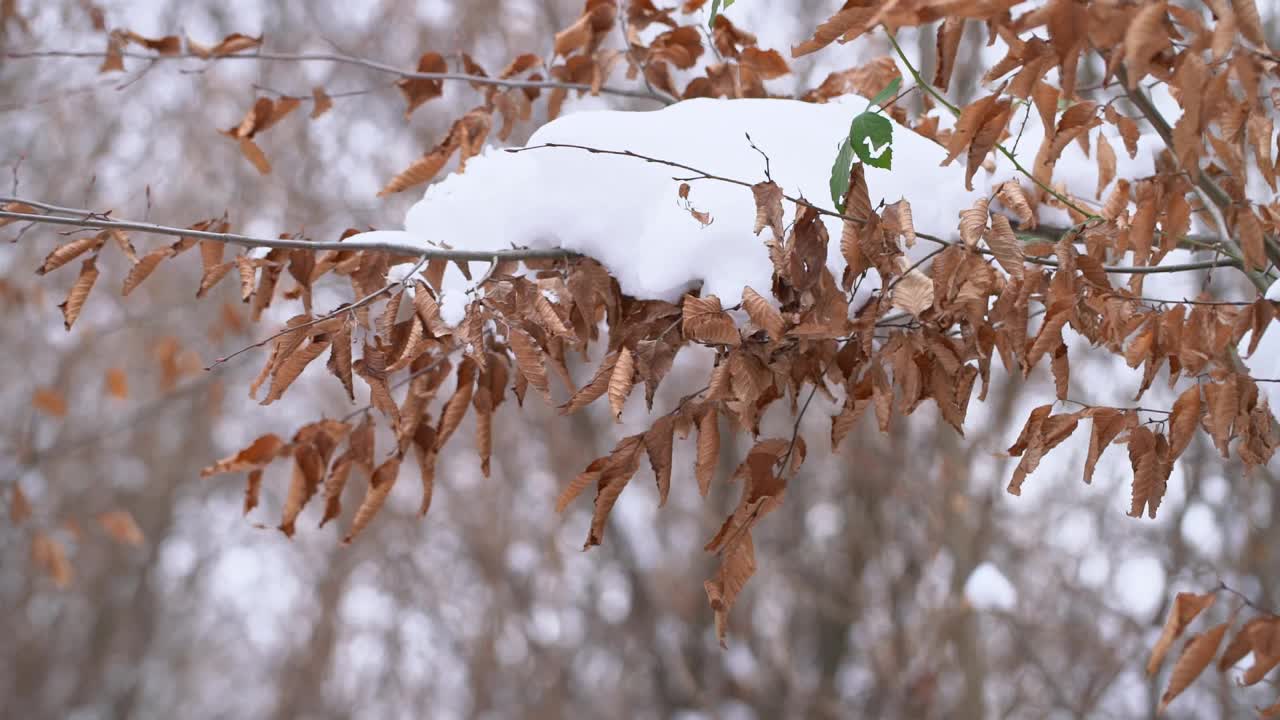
x=380, y=485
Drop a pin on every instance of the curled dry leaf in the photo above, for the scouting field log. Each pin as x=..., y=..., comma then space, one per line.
x=142, y=269
x=69, y=251
x=255, y=156
x=1006, y=247
x=620, y=382
x=380, y=485
x=1186, y=607
x=658, y=443
x=259, y=453
x=708, y=449
x=913, y=291
x=1014, y=197
x=529, y=360
x=417, y=91
x=763, y=313
x=1193, y=660
x=79, y=292
x=898, y=221
x=768, y=208
x=588, y=393
x=704, y=321
x=973, y=223
x=320, y=102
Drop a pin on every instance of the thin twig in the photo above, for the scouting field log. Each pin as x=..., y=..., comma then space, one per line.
x=91, y=219
x=360, y=62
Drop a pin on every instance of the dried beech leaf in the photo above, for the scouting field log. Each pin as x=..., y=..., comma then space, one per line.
x=763, y=313
x=1186, y=606
x=768, y=208
x=142, y=269
x=530, y=362
x=659, y=443
x=708, y=449
x=704, y=321
x=1194, y=659
x=973, y=223
x=588, y=393
x=259, y=453
x=69, y=251
x=380, y=485
x=620, y=382
x=1006, y=247
x=79, y=292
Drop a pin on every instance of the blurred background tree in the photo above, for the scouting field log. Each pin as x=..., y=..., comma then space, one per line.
x=134, y=589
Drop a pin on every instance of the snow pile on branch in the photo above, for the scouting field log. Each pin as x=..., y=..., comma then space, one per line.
x=627, y=213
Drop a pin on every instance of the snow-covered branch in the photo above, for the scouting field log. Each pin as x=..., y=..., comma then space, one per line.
x=83, y=218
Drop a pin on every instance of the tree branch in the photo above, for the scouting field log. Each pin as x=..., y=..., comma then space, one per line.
x=341, y=59
x=75, y=217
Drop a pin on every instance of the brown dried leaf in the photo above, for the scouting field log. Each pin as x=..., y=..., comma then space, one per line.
x=1106, y=164
x=291, y=366
x=252, y=489
x=340, y=356
x=1183, y=420
x=1006, y=247
x=1107, y=425
x=763, y=313
x=973, y=223
x=704, y=321
x=768, y=208
x=417, y=91
x=259, y=453
x=620, y=382
x=121, y=527
x=913, y=292
x=529, y=360
x=1194, y=659
x=380, y=484
x=456, y=407
x=1186, y=606
x=588, y=393
x=79, y=292
x=708, y=449
x=142, y=269
x=255, y=156
x=69, y=251
x=658, y=443
x=898, y=221
x=1144, y=38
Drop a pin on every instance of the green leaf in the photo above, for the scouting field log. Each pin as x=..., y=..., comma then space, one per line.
x=890, y=91
x=716, y=7
x=840, y=174
x=871, y=135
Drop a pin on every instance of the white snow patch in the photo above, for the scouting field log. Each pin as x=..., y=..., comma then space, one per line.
x=988, y=589
x=626, y=212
